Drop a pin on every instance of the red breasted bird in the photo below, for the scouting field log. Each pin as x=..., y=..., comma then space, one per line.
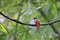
x=37, y=23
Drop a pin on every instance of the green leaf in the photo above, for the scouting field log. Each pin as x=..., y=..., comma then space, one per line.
x=3, y=28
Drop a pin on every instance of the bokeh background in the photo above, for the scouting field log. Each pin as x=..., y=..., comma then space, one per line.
x=25, y=11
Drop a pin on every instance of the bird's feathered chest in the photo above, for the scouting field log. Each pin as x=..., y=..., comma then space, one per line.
x=37, y=21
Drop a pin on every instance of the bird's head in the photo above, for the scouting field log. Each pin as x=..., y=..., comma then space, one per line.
x=35, y=18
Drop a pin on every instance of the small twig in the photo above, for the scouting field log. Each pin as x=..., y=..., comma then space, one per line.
x=52, y=26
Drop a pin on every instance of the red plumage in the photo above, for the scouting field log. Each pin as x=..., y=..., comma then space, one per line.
x=37, y=22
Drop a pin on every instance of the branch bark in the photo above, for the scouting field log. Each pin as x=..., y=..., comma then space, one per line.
x=42, y=24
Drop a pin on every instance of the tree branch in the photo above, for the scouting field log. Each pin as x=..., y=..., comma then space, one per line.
x=21, y=22
x=52, y=22
x=42, y=24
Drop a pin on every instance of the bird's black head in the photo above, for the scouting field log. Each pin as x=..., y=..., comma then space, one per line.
x=35, y=17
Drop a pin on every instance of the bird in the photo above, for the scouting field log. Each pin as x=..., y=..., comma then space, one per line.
x=37, y=23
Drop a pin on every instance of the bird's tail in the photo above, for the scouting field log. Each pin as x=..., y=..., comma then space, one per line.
x=37, y=27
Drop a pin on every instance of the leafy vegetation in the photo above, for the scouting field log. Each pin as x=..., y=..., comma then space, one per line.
x=25, y=11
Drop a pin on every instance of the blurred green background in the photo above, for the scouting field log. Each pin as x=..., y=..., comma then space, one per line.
x=25, y=11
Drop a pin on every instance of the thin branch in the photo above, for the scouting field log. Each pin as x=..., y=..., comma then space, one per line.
x=52, y=26
x=42, y=13
x=52, y=22
x=21, y=22
x=42, y=24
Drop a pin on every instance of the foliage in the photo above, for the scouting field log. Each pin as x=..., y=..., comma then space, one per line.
x=25, y=11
